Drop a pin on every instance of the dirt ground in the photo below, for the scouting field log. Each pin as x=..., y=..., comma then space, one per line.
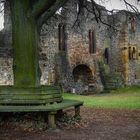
x=96, y=124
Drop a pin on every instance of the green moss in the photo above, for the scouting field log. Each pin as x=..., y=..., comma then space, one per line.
x=26, y=96
x=29, y=90
x=25, y=43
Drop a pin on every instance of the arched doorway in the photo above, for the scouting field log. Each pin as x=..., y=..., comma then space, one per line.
x=82, y=77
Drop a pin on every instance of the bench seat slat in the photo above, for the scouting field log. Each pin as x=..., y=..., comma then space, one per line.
x=50, y=107
x=45, y=87
x=32, y=101
x=28, y=97
x=28, y=92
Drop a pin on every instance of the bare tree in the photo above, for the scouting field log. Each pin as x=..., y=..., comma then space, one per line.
x=98, y=10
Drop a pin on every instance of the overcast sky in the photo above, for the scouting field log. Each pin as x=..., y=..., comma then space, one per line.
x=117, y=4
x=109, y=4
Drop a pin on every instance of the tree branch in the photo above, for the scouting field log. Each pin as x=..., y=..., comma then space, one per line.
x=2, y=6
x=51, y=11
x=81, y=6
x=97, y=10
x=134, y=8
x=40, y=7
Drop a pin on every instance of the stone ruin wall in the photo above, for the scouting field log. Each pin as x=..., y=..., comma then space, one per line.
x=77, y=44
x=6, y=60
x=125, y=37
x=134, y=65
x=58, y=66
x=51, y=60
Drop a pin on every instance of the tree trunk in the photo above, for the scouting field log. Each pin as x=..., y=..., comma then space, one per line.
x=25, y=42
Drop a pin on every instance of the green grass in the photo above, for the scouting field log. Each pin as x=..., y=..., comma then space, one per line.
x=128, y=89
x=128, y=98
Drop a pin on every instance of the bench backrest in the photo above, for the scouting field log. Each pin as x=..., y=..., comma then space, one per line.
x=29, y=96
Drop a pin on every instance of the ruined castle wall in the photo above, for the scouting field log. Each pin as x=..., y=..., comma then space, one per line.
x=134, y=65
x=124, y=37
x=77, y=43
x=6, y=60
x=57, y=66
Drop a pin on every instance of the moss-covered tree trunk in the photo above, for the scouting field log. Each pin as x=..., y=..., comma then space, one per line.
x=25, y=42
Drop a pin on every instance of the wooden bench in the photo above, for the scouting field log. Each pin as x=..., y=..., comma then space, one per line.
x=50, y=108
x=44, y=99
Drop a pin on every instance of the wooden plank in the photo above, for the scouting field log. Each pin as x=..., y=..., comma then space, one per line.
x=35, y=90
x=29, y=97
x=50, y=107
x=32, y=101
x=31, y=88
x=22, y=92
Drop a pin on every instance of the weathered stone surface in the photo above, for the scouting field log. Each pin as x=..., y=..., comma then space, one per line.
x=6, y=75
x=124, y=38
x=58, y=66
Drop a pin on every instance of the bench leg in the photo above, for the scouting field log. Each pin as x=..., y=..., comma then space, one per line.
x=77, y=111
x=51, y=120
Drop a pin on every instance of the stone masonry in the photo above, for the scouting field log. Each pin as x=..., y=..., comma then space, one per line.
x=61, y=66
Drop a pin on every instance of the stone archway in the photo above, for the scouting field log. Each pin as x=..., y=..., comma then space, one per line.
x=82, y=72
x=83, y=76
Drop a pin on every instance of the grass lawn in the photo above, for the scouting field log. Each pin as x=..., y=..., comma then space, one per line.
x=128, y=98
